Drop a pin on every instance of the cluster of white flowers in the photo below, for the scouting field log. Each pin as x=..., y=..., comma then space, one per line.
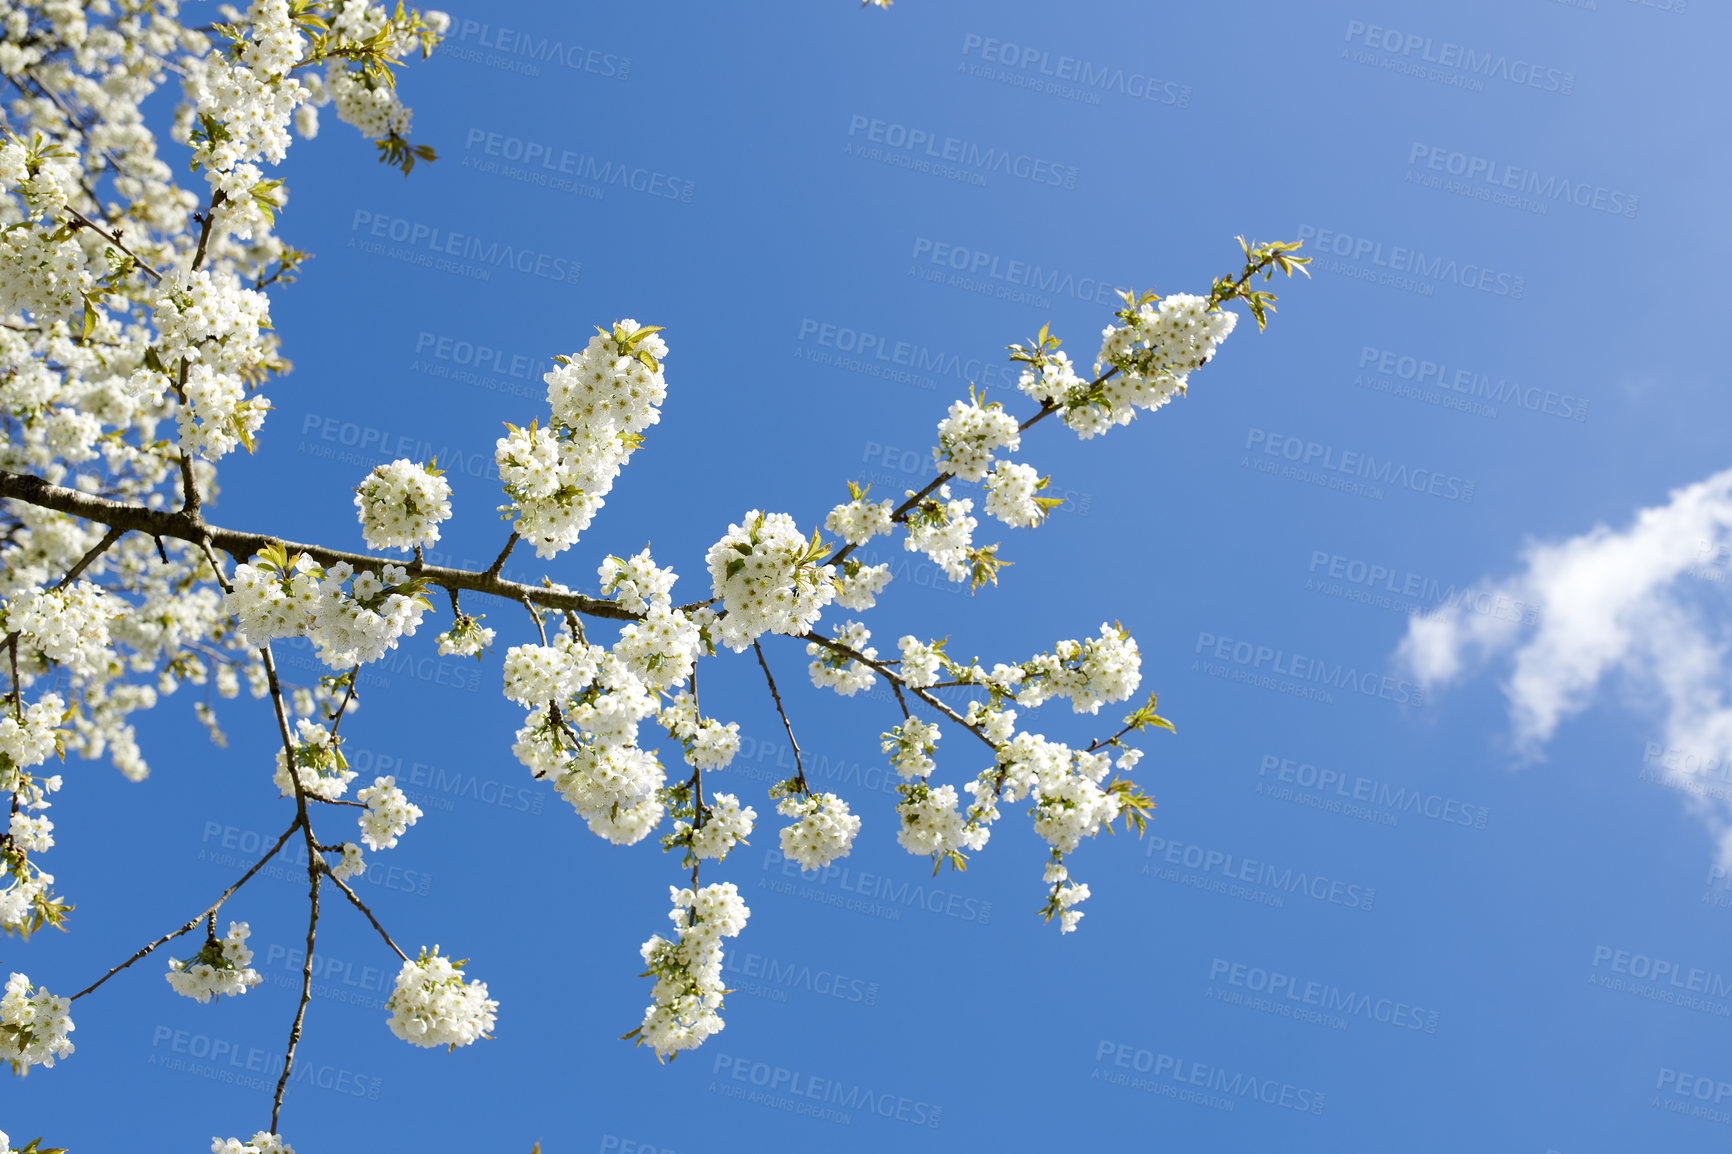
x=352, y=864
x=921, y=663
x=1072, y=805
x=260, y=1143
x=1095, y=672
x=33, y=1025
x=352, y=626
x=661, y=649
x=602, y=400
x=538, y=674
x=401, y=504
x=215, y=328
x=26, y=896
x=370, y=105
x=688, y=971
x=1052, y=380
x=433, y=1006
x=389, y=813
x=860, y=520
x=726, y=824
x=970, y=434
x=608, y=386
x=858, y=585
x=588, y=748
x=221, y=967
x=319, y=764
x=364, y=622
x=67, y=625
x=766, y=576
x=838, y=671
x=931, y=823
x=708, y=744
x=28, y=741
x=1172, y=339
x=1069, y=803
x=910, y=746
x=943, y=530
x=637, y=582
x=1065, y=894
x=31, y=834
x=1012, y=491
x=467, y=637
x=822, y=832
x=348, y=626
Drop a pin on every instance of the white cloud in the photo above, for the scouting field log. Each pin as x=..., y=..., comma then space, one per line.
x=1643, y=609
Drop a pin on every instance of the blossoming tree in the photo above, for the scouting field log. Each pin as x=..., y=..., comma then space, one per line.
x=135, y=351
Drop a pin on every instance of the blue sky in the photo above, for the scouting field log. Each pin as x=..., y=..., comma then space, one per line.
x=1499, y=943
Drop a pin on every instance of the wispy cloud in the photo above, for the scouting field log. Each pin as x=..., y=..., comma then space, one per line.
x=1644, y=610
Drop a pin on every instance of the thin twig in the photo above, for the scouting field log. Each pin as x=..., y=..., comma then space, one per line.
x=799, y=770
x=96, y=551
x=362, y=906
x=306, y=994
x=201, y=916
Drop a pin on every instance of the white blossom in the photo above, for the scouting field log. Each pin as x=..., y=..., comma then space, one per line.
x=433, y=1006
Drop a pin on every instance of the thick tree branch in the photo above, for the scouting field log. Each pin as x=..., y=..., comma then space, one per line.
x=184, y=527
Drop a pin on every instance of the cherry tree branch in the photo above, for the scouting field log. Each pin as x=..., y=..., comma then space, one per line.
x=362, y=906
x=207, y=912
x=899, y=683
x=799, y=770
x=187, y=525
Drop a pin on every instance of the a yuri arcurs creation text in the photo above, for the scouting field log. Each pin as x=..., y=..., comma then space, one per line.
x=136, y=351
